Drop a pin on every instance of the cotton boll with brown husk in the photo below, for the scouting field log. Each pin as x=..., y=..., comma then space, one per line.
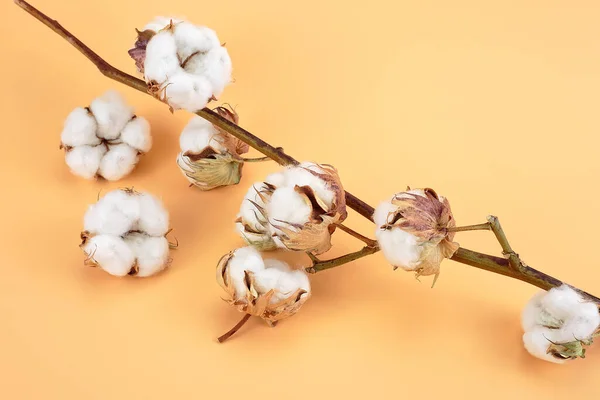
x=210, y=157
x=268, y=289
x=412, y=231
x=296, y=209
x=106, y=139
x=558, y=324
x=125, y=234
x=183, y=64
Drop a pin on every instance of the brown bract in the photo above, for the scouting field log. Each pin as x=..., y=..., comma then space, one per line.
x=138, y=52
x=254, y=302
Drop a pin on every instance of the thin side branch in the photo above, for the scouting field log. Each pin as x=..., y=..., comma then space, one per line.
x=478, y=227
x=233, y=330
x=352, y=232
x=513, y=258
x=336, y=262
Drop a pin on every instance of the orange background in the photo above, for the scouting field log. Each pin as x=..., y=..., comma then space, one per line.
x=494, y=106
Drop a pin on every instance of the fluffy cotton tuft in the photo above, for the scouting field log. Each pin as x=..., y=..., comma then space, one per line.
x=184, y=64
x=124, y=233
x=251, y=281
x=106, y=139
x=555, y=318
x=293, y=209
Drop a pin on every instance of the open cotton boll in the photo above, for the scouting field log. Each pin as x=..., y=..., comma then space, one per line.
x=244, y=259
x=116, y=213
x=80, y=129
x=118, y=162
x=84, y=161
x=154, y=218
x=383, y=210
x=136, y=134
x=111, y=113
x=287, y=205
x=276, y=179
x=559, y=322
x=110, y=253
x=151, y=253
x=278, y=276
x=188, y=92
x=301, y=177
x=191, y=39
x=400, y=248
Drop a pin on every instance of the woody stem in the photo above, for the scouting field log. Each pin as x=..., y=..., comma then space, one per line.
x=512, y=267
x=233, y=330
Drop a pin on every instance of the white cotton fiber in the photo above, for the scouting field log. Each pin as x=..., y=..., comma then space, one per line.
x=199, y=134
x=192, y=39
x=136, y=134
x=111, y=113
x=188, y=92
x=161, y=61
x=80, y=129
x=111, y=253
x=154, y=218
x=244, y=259
x=84, y=161
x=151, y=253
x=118, y=162
x=288, y=206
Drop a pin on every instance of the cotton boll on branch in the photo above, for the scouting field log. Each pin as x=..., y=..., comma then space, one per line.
x=558, y=324
x=161, y=58
x=188, y=92
x=289, y=206
x=197, y=135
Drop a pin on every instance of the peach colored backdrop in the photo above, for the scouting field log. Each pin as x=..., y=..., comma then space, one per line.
x=493, y=105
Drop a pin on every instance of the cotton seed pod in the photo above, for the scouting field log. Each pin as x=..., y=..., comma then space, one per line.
x=412, y=231
x=268, y=289
x=210, y=157
x=125, y=234
x=106, y=139
x=296, y=209
x=183, y=64
x=558, y=324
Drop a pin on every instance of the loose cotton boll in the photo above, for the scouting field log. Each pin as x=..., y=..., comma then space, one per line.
x=80, y=129
x=118, y=162
x=558, y=324
x=111, y=113
x=110, y=253
x=151, y=253
x=85, y=161
x=105, y=140
x=132, y=219
x=136, y=134
x=267, y=289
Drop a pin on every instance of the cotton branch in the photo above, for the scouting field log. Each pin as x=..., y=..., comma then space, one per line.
x=511, y=267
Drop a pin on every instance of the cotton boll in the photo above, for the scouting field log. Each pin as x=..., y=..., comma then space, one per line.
x=244, y=259
x=536, y=343
x=400, y=248
x=123, y=200
x=530, y=317
x=288, y=206
x=136, y=134
x=215, y=65
x=161, y=61
x=154, y=218
x=278, y=276
x=151, y=253
x=111, y=254
x=380, y=216
x=85, y=161
x=80, y=129
x=111, y=113
x=118, y=162
x=196, y=137
x=561, y=301
x=248, y=212
x=189, y=92
x=192, y=39
x=276, y=179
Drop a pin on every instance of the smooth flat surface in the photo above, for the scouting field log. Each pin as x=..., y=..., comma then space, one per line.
x=494, y=106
